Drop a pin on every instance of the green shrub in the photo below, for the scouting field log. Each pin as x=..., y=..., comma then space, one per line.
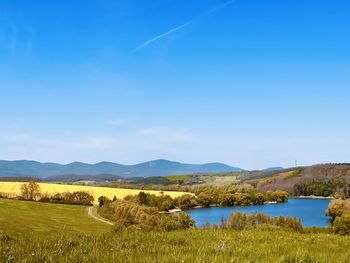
x=102, y=200
x=132, y=216
x=277, y=196
x=186, y=201
x=204, y=199
x=341, y=224
x=338, y=208
x=75, y=198
x=259, y=199
x=162, y=202
x=241, y=221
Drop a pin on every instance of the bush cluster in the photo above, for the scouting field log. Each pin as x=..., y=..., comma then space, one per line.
x=241, y=221
x=325, y=189
x=75, y=198
x=339, y=210
x=129, y=215
x=162, y=202
x=229, y=196
x=31, y=192
x=341, y=224
x=7, y=195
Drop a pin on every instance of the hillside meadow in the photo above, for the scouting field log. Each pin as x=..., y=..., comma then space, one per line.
x=21, y=217
x=15, y=188
x=35, y=232
x=196, y=245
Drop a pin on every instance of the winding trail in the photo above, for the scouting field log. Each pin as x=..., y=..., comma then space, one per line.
x=97, y=217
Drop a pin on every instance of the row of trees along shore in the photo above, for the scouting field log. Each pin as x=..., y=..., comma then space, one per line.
x=209, y=196
x=145, y=212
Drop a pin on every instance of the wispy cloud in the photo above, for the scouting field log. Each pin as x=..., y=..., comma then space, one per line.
x=162, y=35
x=156, y=38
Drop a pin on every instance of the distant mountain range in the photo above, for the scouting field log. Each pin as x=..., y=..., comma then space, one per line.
x=146, y=169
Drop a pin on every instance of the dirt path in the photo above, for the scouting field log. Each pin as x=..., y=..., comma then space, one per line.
x=97, y=217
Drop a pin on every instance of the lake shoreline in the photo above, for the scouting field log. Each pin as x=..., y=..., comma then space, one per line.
x=311, y=211
x=311, y=197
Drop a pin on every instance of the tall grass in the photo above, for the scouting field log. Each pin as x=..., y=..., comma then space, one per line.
x=201, y=245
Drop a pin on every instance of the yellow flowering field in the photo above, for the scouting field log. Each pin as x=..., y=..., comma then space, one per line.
x=14, y=188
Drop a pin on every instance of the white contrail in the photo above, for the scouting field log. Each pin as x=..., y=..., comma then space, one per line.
x=162, y=35
x=217, y=8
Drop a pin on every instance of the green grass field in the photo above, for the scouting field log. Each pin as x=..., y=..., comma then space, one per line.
x=39, y=232
x=18, y=217
x=183, y=246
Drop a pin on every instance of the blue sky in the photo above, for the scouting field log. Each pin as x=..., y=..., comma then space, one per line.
x=252, y=83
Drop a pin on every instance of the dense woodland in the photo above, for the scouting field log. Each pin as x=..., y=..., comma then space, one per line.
x=325, y=189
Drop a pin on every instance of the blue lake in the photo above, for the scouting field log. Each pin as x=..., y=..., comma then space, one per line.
x=310, y=211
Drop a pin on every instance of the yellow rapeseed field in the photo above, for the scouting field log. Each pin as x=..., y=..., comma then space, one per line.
x=14, y=188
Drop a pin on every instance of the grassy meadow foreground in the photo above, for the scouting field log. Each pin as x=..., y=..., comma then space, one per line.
x=197, y=245
x=40, y=232
x=20, y=217
x=15, y=188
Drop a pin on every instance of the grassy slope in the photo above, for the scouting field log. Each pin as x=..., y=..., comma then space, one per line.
x=18, y=217
x=13, y=187
x=62, y=233
x=183, y=246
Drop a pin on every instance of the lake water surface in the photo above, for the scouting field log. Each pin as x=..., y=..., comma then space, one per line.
x=310, y=211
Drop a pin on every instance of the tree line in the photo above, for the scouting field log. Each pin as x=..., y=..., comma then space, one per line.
x=208, y=196
x=133, y=216
x=326, y=189
x=31, y=191
x=232, y=195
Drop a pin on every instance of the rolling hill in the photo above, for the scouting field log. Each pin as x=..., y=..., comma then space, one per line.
x=146, y=169
x=303, y=180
